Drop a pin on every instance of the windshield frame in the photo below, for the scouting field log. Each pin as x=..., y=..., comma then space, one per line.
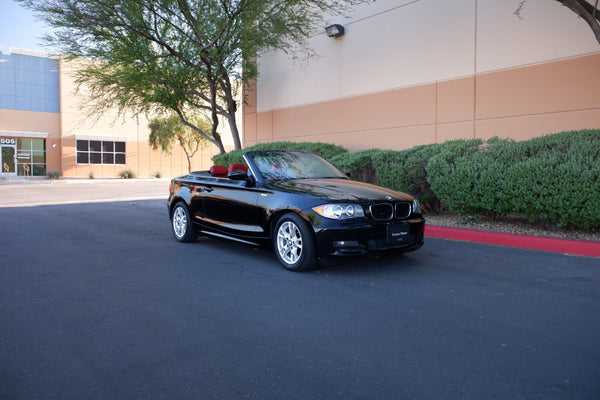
x=280, y=165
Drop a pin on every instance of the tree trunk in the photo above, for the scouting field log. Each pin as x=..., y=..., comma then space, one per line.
x=189, y=160
x=225, y=83
x=234, y=131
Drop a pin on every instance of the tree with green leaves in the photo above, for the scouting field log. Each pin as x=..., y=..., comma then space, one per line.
x=587, y=9
x=167, y=131
x=178, y=56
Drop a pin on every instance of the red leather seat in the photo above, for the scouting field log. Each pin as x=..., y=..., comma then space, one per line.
x=238, y=166
x=218, y=171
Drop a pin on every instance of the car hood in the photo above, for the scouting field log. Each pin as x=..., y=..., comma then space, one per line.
x=340, y=189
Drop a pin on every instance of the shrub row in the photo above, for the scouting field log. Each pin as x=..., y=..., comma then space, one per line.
x=404, y=171
x=554, y=178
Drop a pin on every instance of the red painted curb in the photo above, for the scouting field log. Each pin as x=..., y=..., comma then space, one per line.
x=582, y=248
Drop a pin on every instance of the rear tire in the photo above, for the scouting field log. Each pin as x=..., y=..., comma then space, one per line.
x=182, y=223
x=294, y=244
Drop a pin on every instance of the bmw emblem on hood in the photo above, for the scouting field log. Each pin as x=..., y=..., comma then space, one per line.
x=388, y=197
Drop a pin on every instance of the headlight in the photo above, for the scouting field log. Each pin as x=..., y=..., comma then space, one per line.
x=339, y=211
x=416, y=208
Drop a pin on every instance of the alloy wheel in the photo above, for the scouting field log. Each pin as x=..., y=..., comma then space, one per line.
x=289, y=242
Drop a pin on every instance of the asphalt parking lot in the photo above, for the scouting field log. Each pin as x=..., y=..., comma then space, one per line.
x=98, y=301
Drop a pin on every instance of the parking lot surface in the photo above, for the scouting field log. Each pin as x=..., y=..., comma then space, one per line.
x=98, y=301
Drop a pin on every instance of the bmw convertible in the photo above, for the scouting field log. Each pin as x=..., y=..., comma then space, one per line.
x=296, y=202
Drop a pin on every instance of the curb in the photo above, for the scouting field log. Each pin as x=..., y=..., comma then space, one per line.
x=574, y=247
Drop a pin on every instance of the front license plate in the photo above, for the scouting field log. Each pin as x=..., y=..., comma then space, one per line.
x=398, y=234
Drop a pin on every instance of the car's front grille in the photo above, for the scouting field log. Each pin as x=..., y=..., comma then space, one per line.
x=402, y=210
x=381, y=212
x=386, y=211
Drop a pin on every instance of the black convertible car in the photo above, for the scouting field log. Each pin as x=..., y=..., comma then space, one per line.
x=298, y=202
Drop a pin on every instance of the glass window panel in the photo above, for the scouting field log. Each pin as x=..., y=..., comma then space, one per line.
x=39, y=169
x=39, y=157
x=83, y=145
x=8, y=158
x=119, y=147
x=24, y=144
x=108, y=146
x=95, y=145
x=23, y=156
x=108, y=158
x=83, y=158
x=120, y=159
x=38, y=144
x=95, y=158
x=21, y=169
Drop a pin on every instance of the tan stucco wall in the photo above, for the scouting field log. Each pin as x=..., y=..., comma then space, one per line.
x=38, y=122
x=141, y=158
x=520, y=103
x=416, y=72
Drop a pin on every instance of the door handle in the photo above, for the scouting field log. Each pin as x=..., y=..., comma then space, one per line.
x=208, y=189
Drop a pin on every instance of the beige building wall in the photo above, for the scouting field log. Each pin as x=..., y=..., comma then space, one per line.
x=33, y=81
x=44, y=125
x=76, y=123
x=415, y=72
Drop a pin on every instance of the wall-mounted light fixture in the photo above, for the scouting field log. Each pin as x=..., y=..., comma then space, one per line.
x=335, y=30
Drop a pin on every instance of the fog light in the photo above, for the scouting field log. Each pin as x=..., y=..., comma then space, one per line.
x=344, y=244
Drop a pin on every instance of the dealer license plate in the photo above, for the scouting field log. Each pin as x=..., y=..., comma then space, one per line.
x=398, y=234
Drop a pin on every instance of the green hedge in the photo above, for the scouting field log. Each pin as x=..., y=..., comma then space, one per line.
x=560, y=180
x=469, y=184
x=555, y=178
x=403, y=171
x=358, y=165
x=325, y=150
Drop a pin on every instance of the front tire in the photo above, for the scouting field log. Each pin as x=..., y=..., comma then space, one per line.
x=294, y=244
x=182, y=223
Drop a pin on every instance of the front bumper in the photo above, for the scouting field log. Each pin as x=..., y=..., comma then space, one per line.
x=364, y=237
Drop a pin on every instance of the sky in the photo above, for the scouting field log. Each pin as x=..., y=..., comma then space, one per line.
x=19, y=28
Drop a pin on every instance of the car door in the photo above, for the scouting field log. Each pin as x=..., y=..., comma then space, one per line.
x=231, y=208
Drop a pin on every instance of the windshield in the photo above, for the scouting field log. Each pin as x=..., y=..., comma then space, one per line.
x=282, y=165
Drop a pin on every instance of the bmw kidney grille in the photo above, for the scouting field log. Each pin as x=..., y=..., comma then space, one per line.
x=386, y=211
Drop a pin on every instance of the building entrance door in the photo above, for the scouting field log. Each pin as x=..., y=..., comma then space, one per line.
x=8, y=163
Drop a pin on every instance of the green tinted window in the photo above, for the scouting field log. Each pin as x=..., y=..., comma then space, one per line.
x=38, y=144
x=39, y=157
x=24, y=143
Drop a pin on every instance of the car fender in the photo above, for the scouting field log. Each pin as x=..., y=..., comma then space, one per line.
x=275, y=215
x=179, y=192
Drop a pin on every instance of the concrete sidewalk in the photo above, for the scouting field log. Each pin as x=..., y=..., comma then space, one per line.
x=70, y=191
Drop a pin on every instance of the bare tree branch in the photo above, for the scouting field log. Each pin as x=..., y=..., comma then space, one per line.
x=586, y=11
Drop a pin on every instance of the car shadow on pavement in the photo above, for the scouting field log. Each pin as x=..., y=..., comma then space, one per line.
x=259, y=257
x=370, y=264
